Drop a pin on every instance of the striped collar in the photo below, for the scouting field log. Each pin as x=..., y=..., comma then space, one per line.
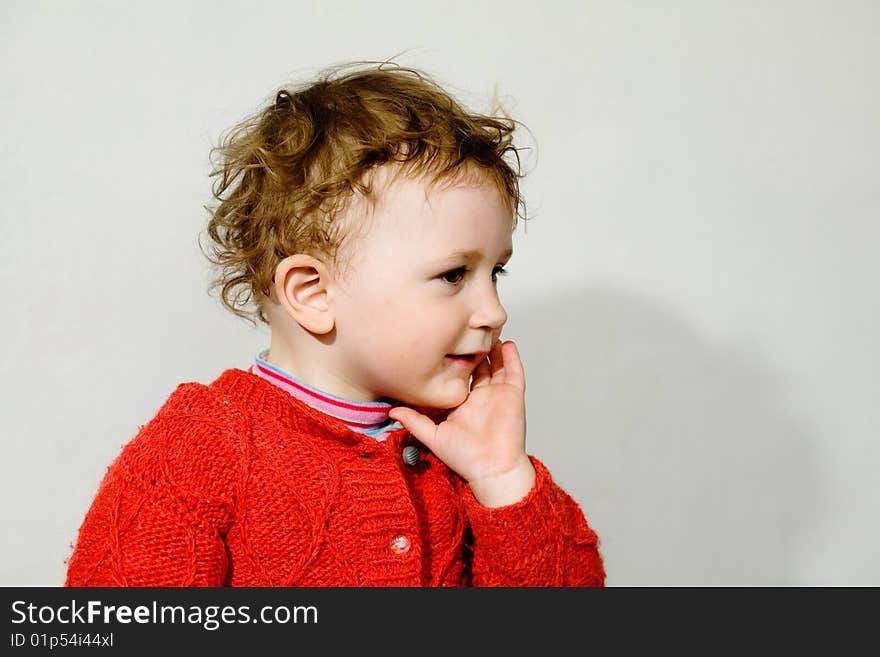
x=370, y=418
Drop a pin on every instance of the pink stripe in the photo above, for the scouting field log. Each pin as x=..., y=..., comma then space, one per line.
x=318, y=395
x=353, y=414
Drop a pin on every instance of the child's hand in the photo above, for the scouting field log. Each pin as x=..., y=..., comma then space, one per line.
x=484, y=438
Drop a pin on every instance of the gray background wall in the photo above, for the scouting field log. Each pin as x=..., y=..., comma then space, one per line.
x=695, y=299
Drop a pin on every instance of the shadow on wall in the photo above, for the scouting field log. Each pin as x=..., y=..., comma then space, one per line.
x=678, y=450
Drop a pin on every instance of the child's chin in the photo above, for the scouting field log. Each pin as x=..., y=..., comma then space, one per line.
x=452, y=400
x=442, y=401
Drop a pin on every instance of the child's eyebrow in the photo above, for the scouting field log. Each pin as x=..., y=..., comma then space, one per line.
x=470, y=254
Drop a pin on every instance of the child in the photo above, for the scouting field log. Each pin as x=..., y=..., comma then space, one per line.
x=380, y=439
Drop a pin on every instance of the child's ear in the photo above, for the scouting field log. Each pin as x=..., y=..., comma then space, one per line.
x=301, y=284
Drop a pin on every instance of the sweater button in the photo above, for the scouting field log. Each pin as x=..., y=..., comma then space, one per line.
x=400, y=544
x=410, y=454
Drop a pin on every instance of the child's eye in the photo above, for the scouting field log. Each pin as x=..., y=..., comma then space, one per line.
x=459, y=272
x=456, y=274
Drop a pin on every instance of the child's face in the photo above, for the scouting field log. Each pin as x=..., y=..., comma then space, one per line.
x=409, y=301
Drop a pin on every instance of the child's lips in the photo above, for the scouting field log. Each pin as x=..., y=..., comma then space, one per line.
x=466, y=360
x=464, y=363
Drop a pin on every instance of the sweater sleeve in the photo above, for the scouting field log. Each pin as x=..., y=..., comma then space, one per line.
x=162, y=509
x=541, y=540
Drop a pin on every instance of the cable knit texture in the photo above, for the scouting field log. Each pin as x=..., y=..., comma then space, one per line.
x=241, y=484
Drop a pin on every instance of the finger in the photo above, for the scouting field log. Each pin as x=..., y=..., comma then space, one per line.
x=513, y=367
x=482, y=374
x=496, y=357
x=419, y=425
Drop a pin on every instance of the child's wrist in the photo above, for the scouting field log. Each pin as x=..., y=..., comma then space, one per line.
x=505, y=489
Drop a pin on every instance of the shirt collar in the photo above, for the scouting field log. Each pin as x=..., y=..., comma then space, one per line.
x=370, y=418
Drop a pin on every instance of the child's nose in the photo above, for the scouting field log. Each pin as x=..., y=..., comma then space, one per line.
x=489, y=313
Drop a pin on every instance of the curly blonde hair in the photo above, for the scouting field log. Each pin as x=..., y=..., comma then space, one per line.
x=286, y=173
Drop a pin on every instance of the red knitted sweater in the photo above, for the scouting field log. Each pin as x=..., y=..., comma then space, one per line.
x=241, y=484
